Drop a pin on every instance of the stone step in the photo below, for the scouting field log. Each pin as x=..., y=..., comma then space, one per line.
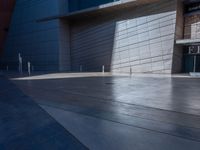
x=195, y=74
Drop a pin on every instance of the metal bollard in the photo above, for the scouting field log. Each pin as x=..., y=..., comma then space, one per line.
x=103, y=69
x=20, y=63
x=29, y=68
x=7, y=68
x=19, y=59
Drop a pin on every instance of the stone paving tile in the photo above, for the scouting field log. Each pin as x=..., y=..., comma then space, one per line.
x=26, y=126
x=101, y=134
x=121, y=112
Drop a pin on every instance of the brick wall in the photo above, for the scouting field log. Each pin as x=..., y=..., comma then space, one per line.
x=192, y=27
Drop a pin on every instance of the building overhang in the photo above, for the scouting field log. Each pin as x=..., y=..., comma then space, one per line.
x=190, y=1
x=188, y=42
x=100, y=10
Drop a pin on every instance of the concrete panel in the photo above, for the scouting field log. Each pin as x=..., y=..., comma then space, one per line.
x=133, y=37
x=179, y=34
x=37, y=42
x=129, y=39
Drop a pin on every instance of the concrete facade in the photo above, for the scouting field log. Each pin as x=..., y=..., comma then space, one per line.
x=138, y=38
x=38, y=43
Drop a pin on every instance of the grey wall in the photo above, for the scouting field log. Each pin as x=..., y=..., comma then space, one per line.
x=178, y=49
x=40, y=42
x=92, y=44
x=141, y=38
x=64, y=46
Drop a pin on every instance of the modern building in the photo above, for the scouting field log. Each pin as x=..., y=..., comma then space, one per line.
x=151, y=36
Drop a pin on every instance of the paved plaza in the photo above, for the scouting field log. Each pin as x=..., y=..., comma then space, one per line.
x=101, y=111
x=25, y=126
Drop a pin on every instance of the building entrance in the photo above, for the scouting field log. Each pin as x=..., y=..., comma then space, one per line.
x=191, y=62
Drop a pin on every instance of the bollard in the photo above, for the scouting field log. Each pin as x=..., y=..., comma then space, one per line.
x=29, y=68
x=21, y=66
x=20, y=63
x=19, y=59
x=7, y=68
x=103, y=69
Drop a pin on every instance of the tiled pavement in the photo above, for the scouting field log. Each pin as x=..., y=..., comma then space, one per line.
x=121, y=112
x=26, y=126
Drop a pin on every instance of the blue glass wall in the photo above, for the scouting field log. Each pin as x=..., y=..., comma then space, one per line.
x=75, y=5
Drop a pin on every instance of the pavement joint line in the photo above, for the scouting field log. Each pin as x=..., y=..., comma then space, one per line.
x=152, y=108
x=105, y=99
x=191, y=139
x=67, y=132
x=134, y=116
x=62, y=126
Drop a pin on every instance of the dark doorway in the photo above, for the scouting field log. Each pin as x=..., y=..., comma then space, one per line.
x=191, y=62
x=188, y=63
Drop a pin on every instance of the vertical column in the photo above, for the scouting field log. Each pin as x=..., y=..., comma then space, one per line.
x=64, y=46
x=194, y=67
